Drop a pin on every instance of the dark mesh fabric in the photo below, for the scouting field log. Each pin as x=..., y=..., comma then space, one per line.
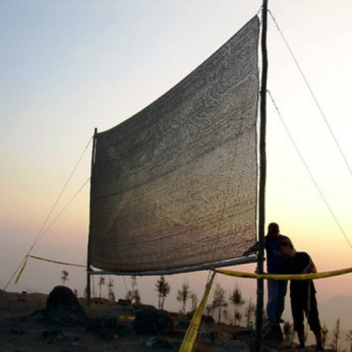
x=175, y=185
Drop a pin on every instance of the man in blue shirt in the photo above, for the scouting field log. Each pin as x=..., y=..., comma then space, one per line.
x=277, y=289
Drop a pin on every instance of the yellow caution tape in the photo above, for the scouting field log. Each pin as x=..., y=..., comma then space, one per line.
x=126, y=317
x=191, y=334
x=57, y=262
x=21, y=271
x=312, y=276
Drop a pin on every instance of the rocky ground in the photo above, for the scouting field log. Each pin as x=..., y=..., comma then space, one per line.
x=27, y=324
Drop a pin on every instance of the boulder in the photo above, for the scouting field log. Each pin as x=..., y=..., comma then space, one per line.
x=158, y=343
x=124, y=302
x=110, y=327
x=63, y=307
x=208, y=319
x=152, y=321
x=238, y=346
x=273, y=335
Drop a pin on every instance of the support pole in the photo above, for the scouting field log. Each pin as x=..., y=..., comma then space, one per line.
x=90, y=212
x=262, y=181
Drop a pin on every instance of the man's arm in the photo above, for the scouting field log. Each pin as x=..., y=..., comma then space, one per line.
x=251, y=250
x=311, y=268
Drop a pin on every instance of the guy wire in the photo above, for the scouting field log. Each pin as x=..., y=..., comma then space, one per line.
x=308, y=170
x=313, y=95
x=41, y=233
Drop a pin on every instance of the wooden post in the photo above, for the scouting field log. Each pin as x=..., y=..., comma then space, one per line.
x=262, y=181
x=88, y=251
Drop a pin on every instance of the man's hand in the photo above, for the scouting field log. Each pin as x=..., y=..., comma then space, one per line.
x=246, y=253
x=251, y=250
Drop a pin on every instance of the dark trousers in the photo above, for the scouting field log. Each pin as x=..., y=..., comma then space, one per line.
x=300, y=307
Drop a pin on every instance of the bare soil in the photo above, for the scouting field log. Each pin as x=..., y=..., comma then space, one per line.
x=21, y=331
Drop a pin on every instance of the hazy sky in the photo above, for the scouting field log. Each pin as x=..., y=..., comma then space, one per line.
x=67, y=67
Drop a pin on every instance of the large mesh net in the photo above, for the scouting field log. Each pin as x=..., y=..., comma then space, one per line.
x=175, y=185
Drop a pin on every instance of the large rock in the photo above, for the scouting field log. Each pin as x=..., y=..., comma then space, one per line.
x=273, y=335
x=205, y=318
x=62, y=307
x=152, y=321
x=109, y=326
x=158, y=343
x=237, y=346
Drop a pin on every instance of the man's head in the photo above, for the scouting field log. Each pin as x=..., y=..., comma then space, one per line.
x=286, y=248
x=273, y=230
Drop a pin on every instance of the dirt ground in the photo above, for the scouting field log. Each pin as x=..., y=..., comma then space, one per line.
x=21, y=331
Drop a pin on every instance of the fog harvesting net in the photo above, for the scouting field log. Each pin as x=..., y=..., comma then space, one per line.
x=175, y=186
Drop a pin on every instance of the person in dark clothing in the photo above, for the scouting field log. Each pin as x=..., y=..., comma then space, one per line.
x=302, y=292
x=277, y=289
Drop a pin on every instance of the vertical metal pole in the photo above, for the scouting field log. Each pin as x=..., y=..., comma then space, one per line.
x=90, y=216
x=262, y=180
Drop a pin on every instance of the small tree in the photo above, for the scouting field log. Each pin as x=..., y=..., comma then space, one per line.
x=238, y=317
x=137, y=298
x=209, y=309
x=100, y=284
x=111, y=294
x=225, y=313
x=249, y=311
x=324, y=335
x=85, y=293
x=349, y=338
x=133, y=293
x=64, y=277
x=130, y=293
x=194, y=300
x=219, y=300
x=336, y=333
x=163, y=288
x=288, y=331
x=183, y=295
x=237, y=300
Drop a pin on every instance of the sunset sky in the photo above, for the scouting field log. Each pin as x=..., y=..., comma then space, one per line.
x=70, y=66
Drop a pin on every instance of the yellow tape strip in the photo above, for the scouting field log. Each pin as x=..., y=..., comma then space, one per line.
x=21, y=271
x=126, y=317
x=56, y=262
x=191, y=334
x=314, y=276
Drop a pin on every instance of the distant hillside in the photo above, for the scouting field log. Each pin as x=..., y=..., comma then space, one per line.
x=339, y=307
